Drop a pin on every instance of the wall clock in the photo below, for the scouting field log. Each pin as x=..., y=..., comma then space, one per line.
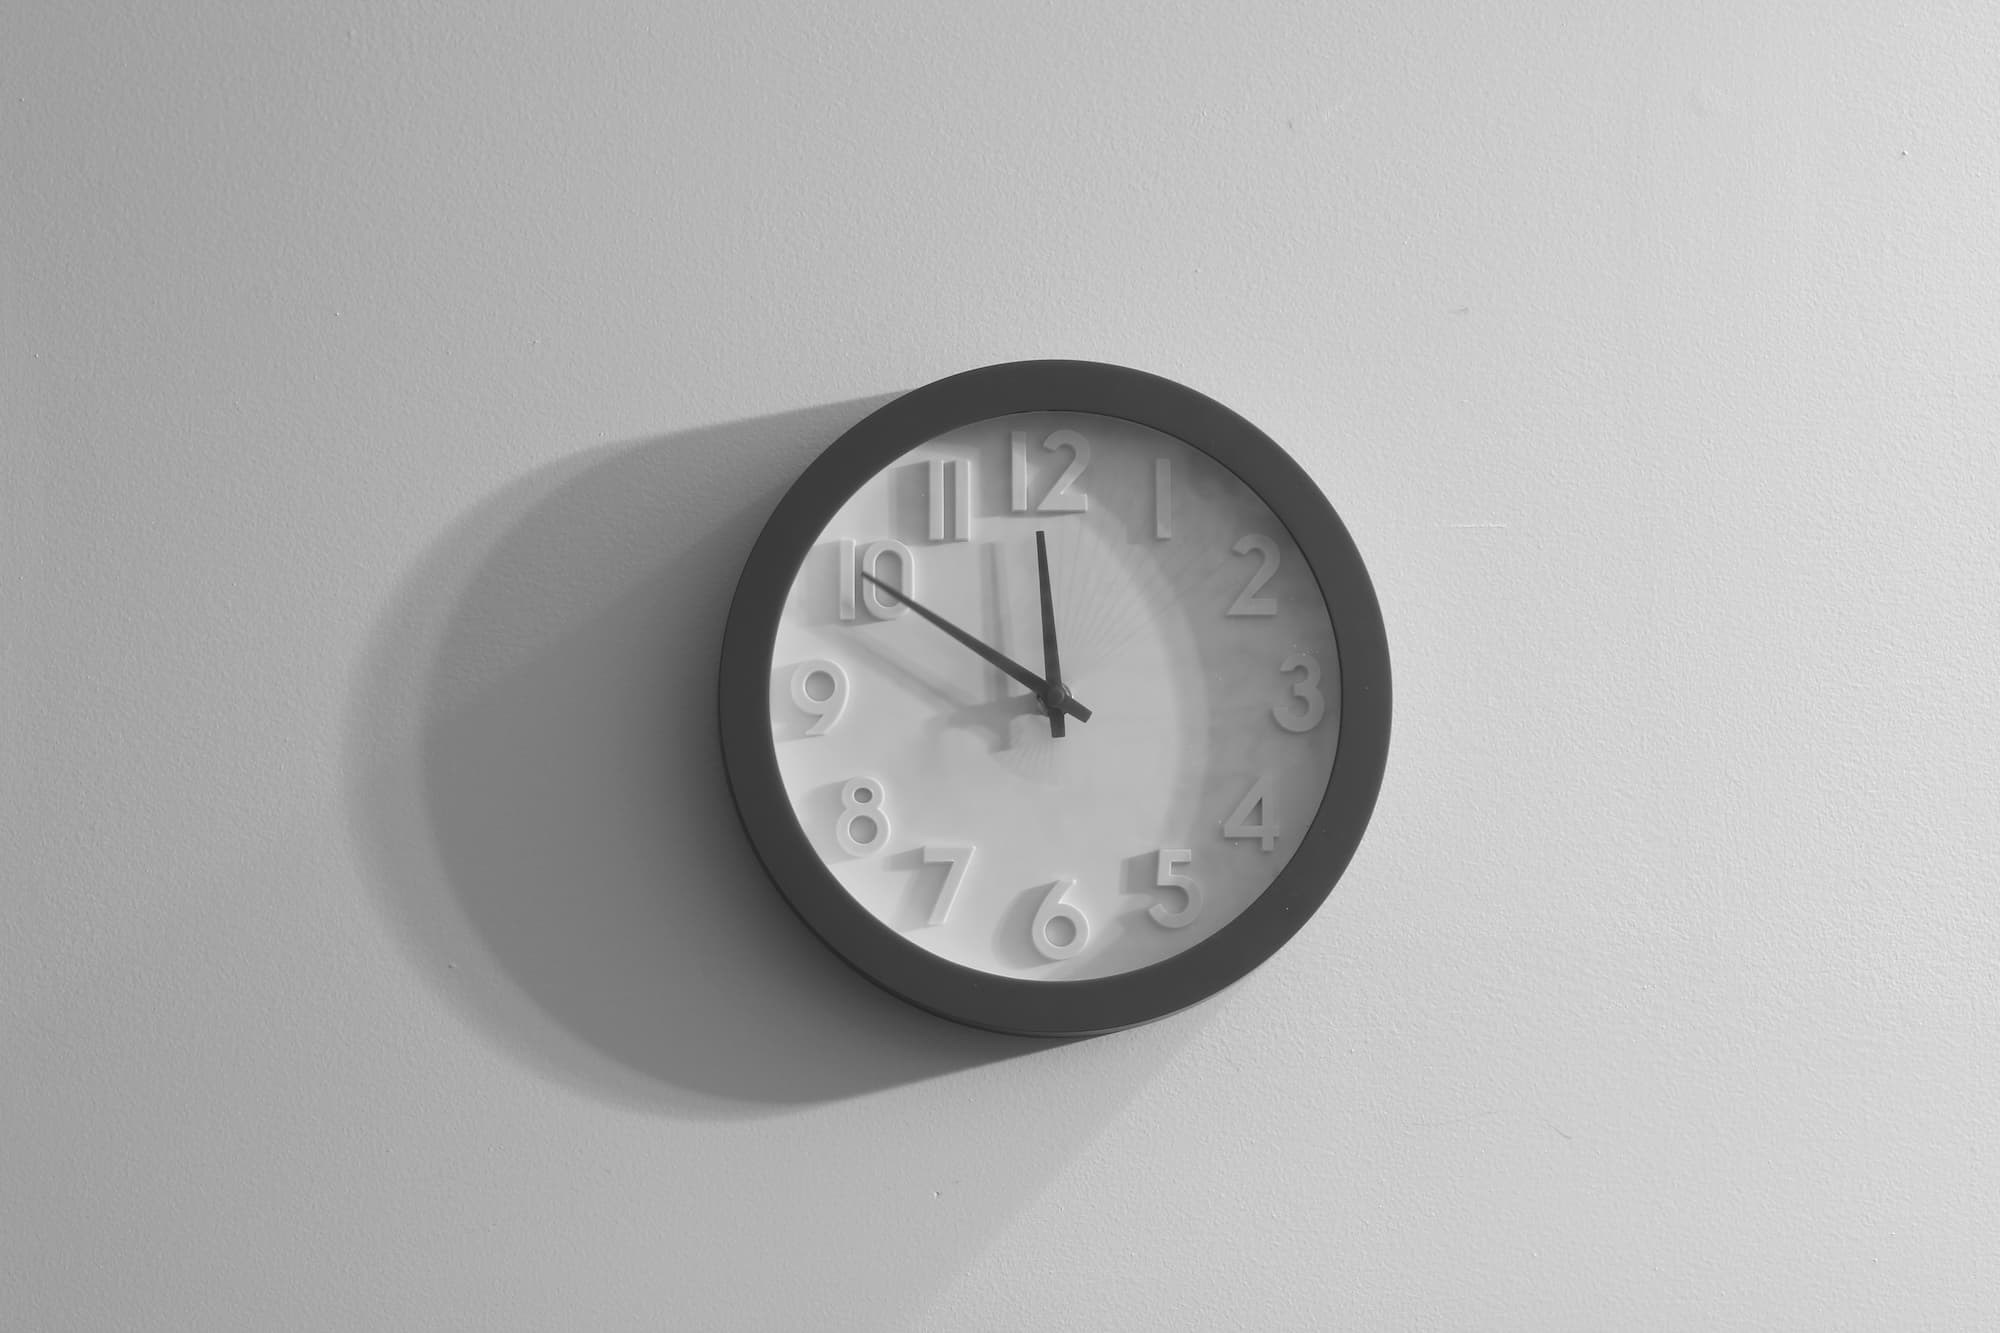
x=1054, y=697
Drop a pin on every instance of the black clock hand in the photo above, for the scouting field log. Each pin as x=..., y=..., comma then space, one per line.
x=1051, y=658
x=1049, y=696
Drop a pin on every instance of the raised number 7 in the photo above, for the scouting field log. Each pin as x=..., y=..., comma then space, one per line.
x=958, y=857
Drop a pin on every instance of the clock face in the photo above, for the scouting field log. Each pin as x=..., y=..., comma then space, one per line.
x=944, y=794
x=1054, y=697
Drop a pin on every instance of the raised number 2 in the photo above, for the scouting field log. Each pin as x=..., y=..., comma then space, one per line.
x=1247, y=602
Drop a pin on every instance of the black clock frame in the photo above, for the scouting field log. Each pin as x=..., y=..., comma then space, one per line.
x=880, y=953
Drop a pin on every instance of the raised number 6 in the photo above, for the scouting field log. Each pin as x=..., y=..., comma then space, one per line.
x=1060, y=930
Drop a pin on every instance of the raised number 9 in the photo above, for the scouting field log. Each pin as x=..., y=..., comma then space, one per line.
x=825, y=708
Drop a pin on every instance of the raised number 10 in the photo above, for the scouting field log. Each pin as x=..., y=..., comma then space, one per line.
x=870, y=559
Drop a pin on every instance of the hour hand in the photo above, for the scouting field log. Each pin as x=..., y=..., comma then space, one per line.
x=1051, y=697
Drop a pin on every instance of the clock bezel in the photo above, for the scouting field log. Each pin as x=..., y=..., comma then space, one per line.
x=1071, y=1008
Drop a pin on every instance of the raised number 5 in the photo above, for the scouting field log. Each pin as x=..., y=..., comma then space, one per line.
x=1172, y=859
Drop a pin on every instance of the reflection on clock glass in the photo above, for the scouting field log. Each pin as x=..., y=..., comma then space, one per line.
x=1077, y=822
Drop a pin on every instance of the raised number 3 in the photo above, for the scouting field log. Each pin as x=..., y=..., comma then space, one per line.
x=1306, y=690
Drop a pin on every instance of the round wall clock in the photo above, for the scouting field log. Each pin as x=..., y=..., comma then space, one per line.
x=1054, y=697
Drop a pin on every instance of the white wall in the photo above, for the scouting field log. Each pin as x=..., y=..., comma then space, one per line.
x=391, y=393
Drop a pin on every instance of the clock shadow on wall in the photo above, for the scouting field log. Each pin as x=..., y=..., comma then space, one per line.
x=536, y=780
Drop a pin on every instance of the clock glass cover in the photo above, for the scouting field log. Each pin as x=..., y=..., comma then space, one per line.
x=946, y=797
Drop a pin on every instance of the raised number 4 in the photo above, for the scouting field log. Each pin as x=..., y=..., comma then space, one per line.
x=1258, y=802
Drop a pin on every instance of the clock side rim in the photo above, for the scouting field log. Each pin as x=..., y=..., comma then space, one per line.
x=952, y=990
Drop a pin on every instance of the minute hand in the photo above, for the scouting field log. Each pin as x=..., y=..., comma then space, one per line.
x=999, y=659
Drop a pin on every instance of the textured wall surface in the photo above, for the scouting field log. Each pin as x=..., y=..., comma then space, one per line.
x=389, y=395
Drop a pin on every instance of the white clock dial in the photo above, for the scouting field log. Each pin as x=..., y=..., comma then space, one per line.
x=938, y=789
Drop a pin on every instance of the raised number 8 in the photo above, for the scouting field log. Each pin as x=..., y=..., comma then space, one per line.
x=861, y=801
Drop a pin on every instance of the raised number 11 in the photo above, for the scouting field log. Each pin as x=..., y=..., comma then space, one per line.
x=951, y=500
